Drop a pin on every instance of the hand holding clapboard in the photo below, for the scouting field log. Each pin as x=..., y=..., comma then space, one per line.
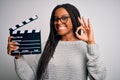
x=29, y=41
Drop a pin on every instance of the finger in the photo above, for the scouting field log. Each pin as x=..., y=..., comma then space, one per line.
x=12, y=46
x=89, y=24
x=81, y=21
x=84, y=21
x=9, y=50
x=78, y=35
x=13, y=43
x=9, y=47
x=9, y=38
x=12, y=49
x=79, y=28
x=82, y=30
x=15, y=48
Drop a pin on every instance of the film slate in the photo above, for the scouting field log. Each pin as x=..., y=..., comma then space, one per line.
x=29, y=41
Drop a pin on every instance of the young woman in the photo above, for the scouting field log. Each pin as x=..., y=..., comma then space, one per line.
x=67, y=55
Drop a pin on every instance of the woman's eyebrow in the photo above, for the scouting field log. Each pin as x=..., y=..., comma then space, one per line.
x=63, y=15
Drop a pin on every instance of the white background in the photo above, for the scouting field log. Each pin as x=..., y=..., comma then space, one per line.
x=104, y=15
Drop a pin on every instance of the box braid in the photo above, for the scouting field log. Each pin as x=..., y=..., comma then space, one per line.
x=54, y=38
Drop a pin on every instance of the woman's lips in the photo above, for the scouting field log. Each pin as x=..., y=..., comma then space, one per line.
x=61, y=28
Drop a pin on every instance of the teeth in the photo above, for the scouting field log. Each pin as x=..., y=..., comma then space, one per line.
x=61, y=28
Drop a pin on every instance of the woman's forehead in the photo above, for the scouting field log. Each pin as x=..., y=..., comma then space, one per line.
x=60, y=12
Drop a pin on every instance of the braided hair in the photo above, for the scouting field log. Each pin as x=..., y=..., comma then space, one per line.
x=53, y=38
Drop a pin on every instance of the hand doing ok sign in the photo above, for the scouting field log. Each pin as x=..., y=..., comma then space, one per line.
x=87, y=34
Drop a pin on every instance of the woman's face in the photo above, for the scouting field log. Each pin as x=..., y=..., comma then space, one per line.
x=62, y=22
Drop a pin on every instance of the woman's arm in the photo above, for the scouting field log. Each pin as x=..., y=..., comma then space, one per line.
x=96, y=69
x=24, y=70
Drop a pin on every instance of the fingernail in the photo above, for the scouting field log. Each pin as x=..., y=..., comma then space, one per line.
x=17, y=43
x=17, y=47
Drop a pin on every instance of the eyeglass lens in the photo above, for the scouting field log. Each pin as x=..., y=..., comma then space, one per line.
x=63, y=19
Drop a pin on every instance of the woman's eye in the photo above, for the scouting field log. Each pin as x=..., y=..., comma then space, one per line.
x=63, y=18
x=56, y=19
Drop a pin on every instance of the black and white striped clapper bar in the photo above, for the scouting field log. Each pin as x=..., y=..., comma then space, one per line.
x=29, y=41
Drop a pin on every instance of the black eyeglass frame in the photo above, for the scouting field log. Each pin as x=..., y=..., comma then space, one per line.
x=63, y=19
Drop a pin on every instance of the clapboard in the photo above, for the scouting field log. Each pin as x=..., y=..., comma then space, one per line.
x=29, y=41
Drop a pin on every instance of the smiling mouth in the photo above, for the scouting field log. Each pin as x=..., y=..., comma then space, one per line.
x=61, y=28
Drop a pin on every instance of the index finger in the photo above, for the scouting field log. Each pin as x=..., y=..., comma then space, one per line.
x=9, y=38
x=89, y=24
x=81, y=21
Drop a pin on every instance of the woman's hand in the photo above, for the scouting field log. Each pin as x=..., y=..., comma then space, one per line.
x=87, y=34
x=12, y=46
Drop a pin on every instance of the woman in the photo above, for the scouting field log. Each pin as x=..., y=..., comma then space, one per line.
x=67, y=55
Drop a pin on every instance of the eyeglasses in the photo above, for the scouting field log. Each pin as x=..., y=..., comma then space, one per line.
x=63, y=19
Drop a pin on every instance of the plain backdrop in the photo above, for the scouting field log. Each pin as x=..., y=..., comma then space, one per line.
x=104, y=15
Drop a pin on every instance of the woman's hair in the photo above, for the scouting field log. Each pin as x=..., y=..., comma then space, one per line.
x=54, y=37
